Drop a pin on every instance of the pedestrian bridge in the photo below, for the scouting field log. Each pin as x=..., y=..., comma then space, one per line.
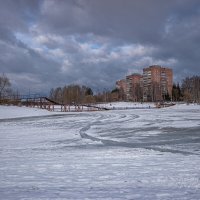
x=47, y=103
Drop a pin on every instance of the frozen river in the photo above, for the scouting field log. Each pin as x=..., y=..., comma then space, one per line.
x=129, y=154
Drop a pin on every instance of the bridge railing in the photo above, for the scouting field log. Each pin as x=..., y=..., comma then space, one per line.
x=46, y=103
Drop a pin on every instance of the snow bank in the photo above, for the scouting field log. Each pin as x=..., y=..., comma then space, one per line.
x=186, y=106
x=15, y=112
x=126, y=105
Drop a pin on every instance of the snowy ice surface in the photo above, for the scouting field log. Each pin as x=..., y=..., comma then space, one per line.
x=126, y=105
x=127, y=154
x=16, y=112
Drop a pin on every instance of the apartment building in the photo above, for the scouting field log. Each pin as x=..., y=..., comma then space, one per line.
x=134, y=90
x=154, y=85
x=121, y=86
x=157, y=83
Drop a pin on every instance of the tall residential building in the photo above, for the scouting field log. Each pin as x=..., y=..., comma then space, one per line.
x=134, y=87
x=157, y=83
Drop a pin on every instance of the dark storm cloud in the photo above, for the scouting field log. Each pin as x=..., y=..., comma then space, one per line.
x=49, y=43
x=132, y=20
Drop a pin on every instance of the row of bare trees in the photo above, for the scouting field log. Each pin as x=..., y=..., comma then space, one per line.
x=188, y=90
x=191, y=89
x=76, y=94
x=72, y=94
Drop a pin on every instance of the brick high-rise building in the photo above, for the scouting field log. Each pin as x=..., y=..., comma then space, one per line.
x=134, y=87
x=157, y=83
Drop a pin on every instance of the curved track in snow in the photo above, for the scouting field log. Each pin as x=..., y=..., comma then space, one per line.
x=130, y=130
x=129, y=154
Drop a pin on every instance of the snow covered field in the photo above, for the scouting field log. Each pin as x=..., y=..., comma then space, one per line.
x=128, y=154
x=126, y=105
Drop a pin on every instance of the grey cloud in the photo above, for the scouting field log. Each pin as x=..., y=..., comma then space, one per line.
x=85, y=41
x=133, y=20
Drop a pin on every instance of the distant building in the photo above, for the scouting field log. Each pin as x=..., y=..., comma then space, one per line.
x=157, y=83
x=134, y=84
x=154, y=85
x=121, y=86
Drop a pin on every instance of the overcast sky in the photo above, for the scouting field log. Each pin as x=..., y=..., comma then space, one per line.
x=50, y=43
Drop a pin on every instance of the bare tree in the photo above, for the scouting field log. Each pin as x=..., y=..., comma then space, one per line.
x=72, y=94
x=191, y=89
x=4, y=86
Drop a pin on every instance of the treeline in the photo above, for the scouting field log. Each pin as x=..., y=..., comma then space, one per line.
x=76, y=94
x=189, y=91
x=72, y=94
x=177, y=94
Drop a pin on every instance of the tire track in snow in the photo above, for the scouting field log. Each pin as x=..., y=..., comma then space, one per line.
x=145, y=145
